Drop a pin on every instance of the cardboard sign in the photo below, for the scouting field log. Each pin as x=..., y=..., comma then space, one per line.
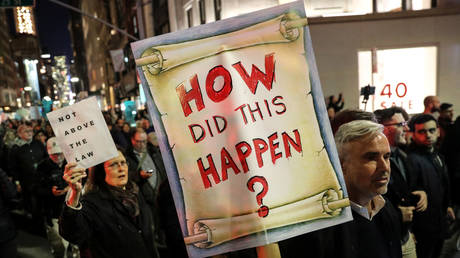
x=82, y=133
x=243, y=130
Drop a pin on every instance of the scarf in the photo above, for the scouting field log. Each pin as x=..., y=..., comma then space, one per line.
x=127, y=197
x=20, y=142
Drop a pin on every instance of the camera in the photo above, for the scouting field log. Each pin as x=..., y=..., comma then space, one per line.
x=410, y=200
x=368, y=90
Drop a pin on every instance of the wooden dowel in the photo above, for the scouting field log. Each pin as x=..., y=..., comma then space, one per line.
x=338, y=204
x=296, y=23
x=269, y=251
x=196, y=238
x=146, y=60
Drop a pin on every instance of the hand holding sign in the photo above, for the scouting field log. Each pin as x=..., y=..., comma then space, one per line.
x=82, y=133
x=73, y=176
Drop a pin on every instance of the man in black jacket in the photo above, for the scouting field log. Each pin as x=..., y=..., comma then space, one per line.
x=403, y=189
x=25, y=156
x=52, y=191
x=147, y=170
x=375, y=231
x=430, y=226
x=145, y=164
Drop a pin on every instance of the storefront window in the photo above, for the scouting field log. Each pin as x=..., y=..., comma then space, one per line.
x=402, y=77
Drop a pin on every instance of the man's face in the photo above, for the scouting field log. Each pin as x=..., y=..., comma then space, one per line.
x=436, y=104
x=426, y=134
x=447, y=114
x=366, y=167
x=26, y=133
x=395, y=130
x=145, y=124
x=57, y=158
x=120, y=123
x=139, y=142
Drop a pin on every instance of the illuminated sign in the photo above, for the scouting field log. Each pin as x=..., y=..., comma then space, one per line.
x=15, y=3
x=402, y=77
x=25, y=23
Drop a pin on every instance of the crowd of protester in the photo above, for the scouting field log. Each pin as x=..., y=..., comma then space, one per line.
x=402, y=175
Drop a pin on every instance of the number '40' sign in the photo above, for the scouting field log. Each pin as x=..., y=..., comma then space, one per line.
x=400, y=90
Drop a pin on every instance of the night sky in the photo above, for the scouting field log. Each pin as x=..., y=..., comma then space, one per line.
x=52, y=25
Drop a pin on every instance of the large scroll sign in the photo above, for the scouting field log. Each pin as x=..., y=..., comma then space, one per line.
x=245, y=125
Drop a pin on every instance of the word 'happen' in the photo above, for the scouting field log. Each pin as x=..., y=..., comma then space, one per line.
x=244, y=150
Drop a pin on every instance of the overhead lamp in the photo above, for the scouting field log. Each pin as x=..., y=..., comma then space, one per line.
x=45, y=55
x=28, y=88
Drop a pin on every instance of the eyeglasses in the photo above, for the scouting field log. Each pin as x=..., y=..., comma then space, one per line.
x=140, y=141
x=117, y=164
x=402, y=124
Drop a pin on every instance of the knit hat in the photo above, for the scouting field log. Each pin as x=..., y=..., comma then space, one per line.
x=52, y=146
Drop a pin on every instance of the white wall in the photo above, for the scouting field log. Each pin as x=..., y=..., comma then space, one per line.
x=336, y=46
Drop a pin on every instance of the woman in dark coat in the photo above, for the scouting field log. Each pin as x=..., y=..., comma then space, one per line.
x=111, y=219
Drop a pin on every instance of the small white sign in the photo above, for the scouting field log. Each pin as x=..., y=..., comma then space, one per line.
x=82, y=133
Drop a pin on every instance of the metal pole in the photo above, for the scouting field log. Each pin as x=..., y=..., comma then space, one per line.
x=95, y=18
x=140, y=18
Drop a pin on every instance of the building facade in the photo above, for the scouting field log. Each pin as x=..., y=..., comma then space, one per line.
x=414, y=44
x=10, y=81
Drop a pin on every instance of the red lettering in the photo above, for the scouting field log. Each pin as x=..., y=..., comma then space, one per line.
x=268, y=107
x=397, y=89
x=219, y=129
x=242, y=113
x=192, y=132
x=279, y=104
x=388, y=93
x=218, y=96
x=288, y=141
x=227, y=162
x=209, y=128
x=193, y=94
x=260, y=147
x=252, y=80
x=242, y=155
x=273, y=146
x=252, y=111
x=208, y=171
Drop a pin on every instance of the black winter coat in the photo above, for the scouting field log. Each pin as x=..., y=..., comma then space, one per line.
x=105, y=228
x=24, y=161
x=149, y=193
x=50, y=174
x=7, y=193
x=379, y=238
x=435, y=181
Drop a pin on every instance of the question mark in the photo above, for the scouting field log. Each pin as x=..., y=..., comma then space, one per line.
x=263, y=210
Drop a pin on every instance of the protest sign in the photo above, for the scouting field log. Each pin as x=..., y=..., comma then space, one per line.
x=118, y=61
x=243, y=130
x=82, y=133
